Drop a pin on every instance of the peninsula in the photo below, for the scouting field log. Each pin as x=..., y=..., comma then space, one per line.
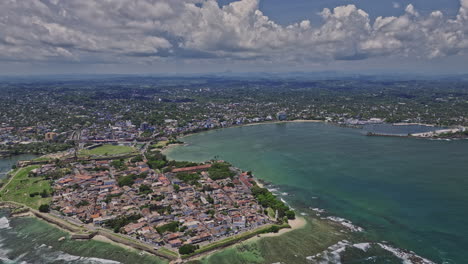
x=176, y=210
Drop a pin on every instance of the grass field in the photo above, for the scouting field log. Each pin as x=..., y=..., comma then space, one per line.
x=233, y=239
x=42, y=159
x=271, y=213
x=290, y=247
x=166, y=251
x=21, y=185
x=107, y=150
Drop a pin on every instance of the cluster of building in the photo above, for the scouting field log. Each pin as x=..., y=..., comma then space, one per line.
x=165, y=210
x=360, y=122
x=10, y=135
x=121, y=131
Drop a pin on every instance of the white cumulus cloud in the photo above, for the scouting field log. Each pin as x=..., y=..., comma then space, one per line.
x=133, y=30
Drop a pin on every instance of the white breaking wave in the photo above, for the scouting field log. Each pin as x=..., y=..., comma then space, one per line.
x=6, y=260
x=4, y=254
x=362, y=246
x=77, y=259
x=331, y=255
x=4, y=223
x=60, y=256
x=408, y=257
x=346, y=223
x=318, y=210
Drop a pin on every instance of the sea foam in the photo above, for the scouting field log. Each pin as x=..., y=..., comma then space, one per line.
x=68, y=258
x=331, y=255
x=4, y=223
x=408, y=257
x=346, y=223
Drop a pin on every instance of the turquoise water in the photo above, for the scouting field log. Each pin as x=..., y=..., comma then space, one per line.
x=28, y=240
x=412, y=193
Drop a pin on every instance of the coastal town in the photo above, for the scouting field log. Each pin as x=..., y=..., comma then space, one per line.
x=191, y=205
x=42, y=120
x=173, y=208
x=100, y=171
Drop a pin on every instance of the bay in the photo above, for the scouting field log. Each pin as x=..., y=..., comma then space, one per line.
x=411, y=193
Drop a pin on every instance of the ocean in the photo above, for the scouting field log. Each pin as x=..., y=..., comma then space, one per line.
x=393, y=198
x=29, y=240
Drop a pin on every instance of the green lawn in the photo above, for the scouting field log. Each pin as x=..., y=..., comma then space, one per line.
x=168, y=252
x=109, y=150
x=22, y=185
x=42, y=159
x=271, y=213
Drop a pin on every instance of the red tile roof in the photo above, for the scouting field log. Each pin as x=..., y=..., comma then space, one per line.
x=194, y=168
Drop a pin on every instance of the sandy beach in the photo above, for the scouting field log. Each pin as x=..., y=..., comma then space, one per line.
x=169, y=147
x=295, y=224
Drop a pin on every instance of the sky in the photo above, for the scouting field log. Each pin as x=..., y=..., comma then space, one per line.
x=207, y=36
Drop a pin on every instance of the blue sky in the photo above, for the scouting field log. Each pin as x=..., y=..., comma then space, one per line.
x=199, y=36
x=290, y=11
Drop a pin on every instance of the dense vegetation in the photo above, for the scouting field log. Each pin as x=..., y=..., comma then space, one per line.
x=268, y=200
x=44, y=208
x=170, y=227
x=220, y=171
x=37, y=148
x=119, y=222
x=129, y=179
x=156, y=160
x=189, y=178
x=187, y=249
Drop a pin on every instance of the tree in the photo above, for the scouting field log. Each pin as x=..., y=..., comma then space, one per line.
x=210, y=199
x=82, y=203
x=290, y=215
x=156, y=164
x=44, y=194
x=220, y=171
x=176, y=187
x=145, y=189
x=126, y=181
x=170, y=227
x=138, y=158
x=189, y=178
x=187, y=249
x=118, y=164
x=44, y=208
